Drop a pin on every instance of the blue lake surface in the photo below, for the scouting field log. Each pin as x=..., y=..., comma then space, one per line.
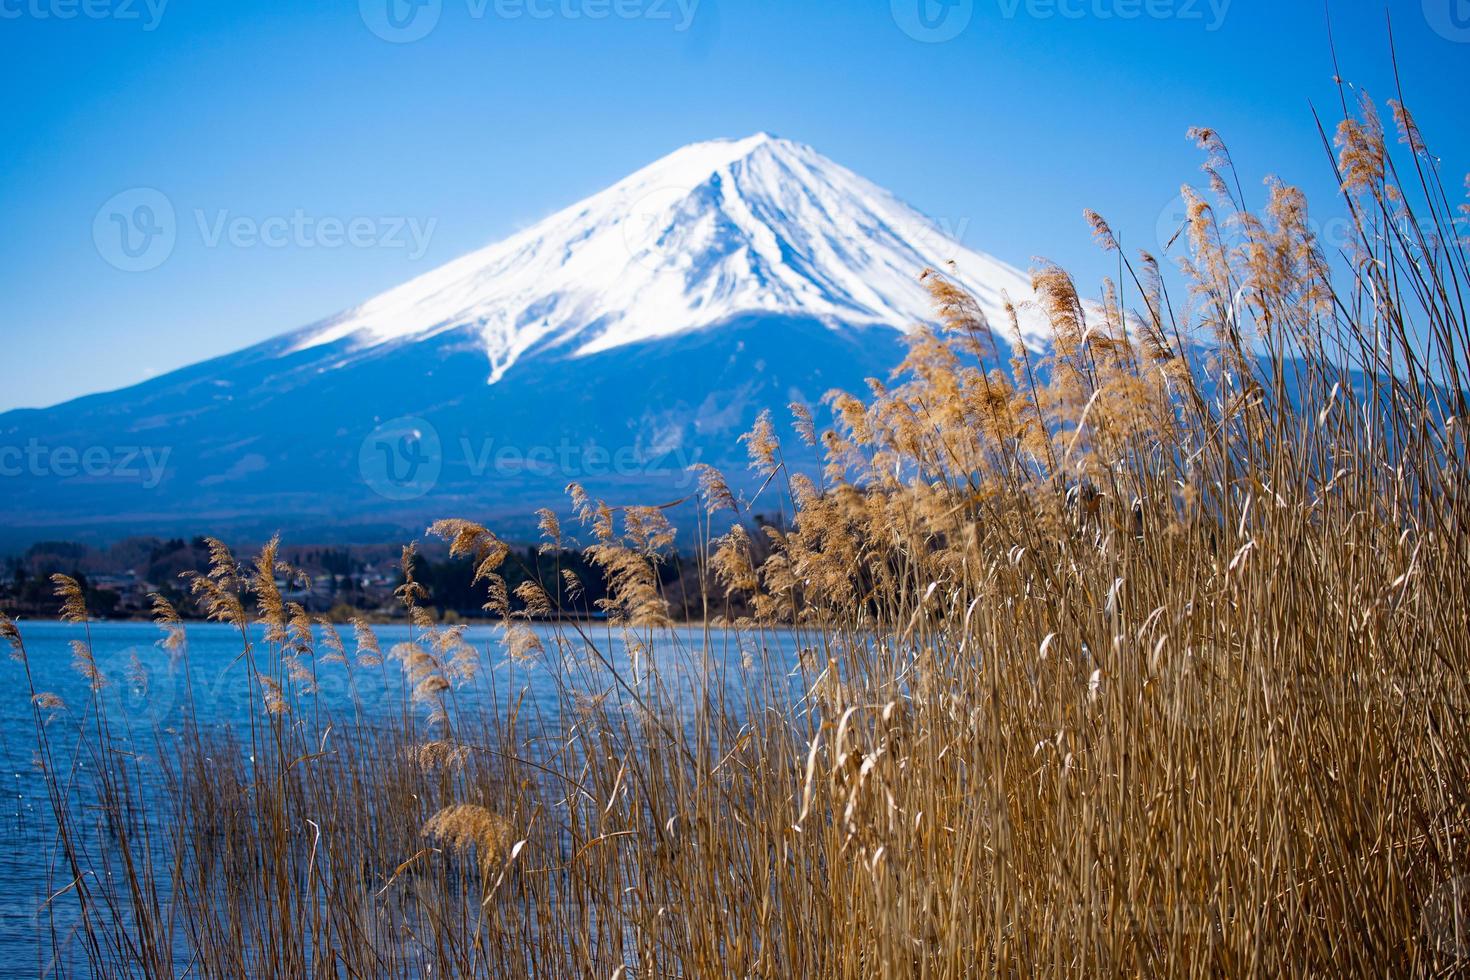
x=150, y=691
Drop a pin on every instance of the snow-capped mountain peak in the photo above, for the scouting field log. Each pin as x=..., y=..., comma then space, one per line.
x=625, y=339
x=712, y=232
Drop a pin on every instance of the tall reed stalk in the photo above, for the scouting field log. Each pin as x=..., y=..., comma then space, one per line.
x=1148, y=657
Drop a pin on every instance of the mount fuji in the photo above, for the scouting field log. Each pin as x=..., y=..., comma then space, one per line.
x=615, y=344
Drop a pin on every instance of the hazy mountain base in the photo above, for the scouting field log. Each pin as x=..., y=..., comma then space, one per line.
x=720, y=239
x=257, y=442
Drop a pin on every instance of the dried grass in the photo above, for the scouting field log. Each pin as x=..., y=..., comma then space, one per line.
x=1146, y=659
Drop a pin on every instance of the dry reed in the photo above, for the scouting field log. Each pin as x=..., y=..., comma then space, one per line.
x=1148, y=658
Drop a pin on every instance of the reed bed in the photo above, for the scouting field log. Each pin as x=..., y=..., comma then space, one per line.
x=1147, y=658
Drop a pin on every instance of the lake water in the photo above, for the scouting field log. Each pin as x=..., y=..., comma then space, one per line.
x=149, y=689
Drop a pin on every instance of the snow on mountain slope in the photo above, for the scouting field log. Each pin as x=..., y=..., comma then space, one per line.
x=625, y=339
x=711, y=232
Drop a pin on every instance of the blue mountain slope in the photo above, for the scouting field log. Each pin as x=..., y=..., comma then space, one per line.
x=614, y=343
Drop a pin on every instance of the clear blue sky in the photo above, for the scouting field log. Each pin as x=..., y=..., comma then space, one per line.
x=510, y=109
